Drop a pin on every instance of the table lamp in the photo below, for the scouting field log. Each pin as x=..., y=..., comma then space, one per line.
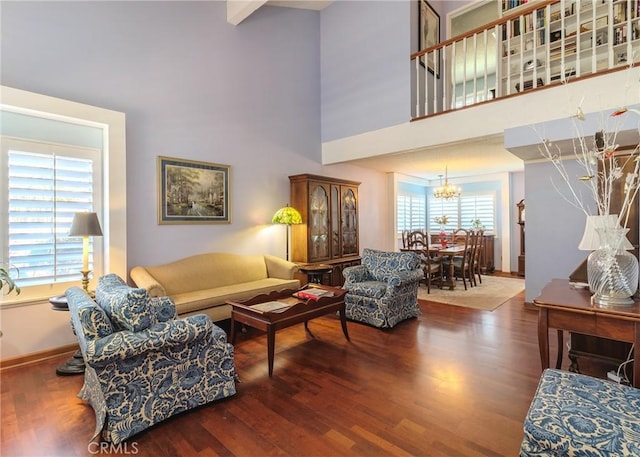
x=287, y=216
x=85, y=225
x=591, y=240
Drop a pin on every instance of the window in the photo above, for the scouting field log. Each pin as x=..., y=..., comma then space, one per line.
x=439, y=207
x=47, y=184
x=43, y=120
x=477, y=207
x=462, y=211
x=411, y=211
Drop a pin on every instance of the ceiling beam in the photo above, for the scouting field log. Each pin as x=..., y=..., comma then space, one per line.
x=239, y=10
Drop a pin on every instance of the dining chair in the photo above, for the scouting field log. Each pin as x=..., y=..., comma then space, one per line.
x=417, y=239
x=462, y=263
x=432, y=266
x=461, y=236
x=477, y=252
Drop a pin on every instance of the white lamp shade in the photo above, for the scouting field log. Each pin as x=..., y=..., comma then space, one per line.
x=591, y=240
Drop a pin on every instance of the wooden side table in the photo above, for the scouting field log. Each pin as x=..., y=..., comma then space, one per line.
x=564, y=307
x=75, y=364
x=315, y=272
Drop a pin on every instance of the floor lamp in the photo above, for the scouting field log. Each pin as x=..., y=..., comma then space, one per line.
x=287, y=216
x=85, y=225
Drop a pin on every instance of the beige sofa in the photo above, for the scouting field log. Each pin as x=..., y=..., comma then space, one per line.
x=202, y=283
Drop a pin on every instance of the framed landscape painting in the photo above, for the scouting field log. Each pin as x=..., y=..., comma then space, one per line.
x=191, y=192
x=429, y=29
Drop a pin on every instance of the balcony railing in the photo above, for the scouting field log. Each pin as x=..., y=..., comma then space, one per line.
x=541, y=44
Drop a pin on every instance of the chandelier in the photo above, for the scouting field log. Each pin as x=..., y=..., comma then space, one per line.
x=447, y=190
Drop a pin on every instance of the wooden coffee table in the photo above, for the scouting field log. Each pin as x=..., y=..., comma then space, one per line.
x=300, y=311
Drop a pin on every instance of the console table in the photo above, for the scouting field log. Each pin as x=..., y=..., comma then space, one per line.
x=564, y=307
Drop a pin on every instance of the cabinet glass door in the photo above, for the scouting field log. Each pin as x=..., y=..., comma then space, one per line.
x=335, y=222
x=349, y=218
x=318, y=223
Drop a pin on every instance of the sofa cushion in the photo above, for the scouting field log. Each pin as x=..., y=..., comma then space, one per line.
x=573, y=414
x=163, y=309
x=374, y=289
x=94, y=321
x=208, y=271
x=201, y=299
x=127, y=307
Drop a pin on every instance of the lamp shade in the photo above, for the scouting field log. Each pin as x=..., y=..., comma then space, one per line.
x=85, y=224
x=591, y=240
x=287, y=215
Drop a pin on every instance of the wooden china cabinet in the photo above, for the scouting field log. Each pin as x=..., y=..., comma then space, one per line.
x=329, y=230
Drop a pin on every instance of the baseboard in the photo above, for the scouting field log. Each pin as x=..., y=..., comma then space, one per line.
x=37, y=356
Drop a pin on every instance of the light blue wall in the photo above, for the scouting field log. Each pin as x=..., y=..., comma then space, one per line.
x=412, y=188
x=553, y=227
x=192, y=86
x=365, y=48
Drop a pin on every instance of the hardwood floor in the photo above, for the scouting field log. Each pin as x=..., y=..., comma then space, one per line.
x=453, y=382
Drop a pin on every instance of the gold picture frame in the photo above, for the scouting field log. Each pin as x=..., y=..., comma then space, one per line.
x=429, y=35
x=192, y=192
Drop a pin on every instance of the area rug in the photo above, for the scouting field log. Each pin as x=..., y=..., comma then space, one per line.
x=493, y=292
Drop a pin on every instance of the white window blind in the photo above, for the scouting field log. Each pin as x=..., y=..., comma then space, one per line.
x=481, y=206
x=439, y=207
x=463, y=210
x=411, y=212
x=46, y=185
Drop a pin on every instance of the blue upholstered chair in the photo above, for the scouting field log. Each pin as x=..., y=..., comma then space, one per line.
x=383, y=290
x=143, y=364
x=576, y=415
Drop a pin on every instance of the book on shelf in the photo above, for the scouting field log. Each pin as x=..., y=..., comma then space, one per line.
x=313, y=293
x=271, y=307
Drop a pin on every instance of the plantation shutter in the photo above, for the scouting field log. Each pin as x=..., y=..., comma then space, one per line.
x=462, y=211
x=45, y=190
x=481, y=207
x=411, y=212
x=439, y=207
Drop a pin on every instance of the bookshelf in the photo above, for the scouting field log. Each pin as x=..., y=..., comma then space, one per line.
x=506, y=6
x=567, y=38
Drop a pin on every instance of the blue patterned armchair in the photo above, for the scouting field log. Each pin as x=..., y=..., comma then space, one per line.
x=143, y=364
x=383, y=290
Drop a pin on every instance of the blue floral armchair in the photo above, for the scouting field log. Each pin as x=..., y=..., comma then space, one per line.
x=383, y=290
x=143, y=364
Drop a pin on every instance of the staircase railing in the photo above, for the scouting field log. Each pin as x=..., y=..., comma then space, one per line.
x=540, y=45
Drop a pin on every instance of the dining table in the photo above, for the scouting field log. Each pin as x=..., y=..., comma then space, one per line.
x=450, y=251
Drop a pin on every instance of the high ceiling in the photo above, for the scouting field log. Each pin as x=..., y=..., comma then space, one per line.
x=480, y=156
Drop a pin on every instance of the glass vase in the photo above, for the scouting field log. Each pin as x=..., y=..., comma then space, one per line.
x=612, y=272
